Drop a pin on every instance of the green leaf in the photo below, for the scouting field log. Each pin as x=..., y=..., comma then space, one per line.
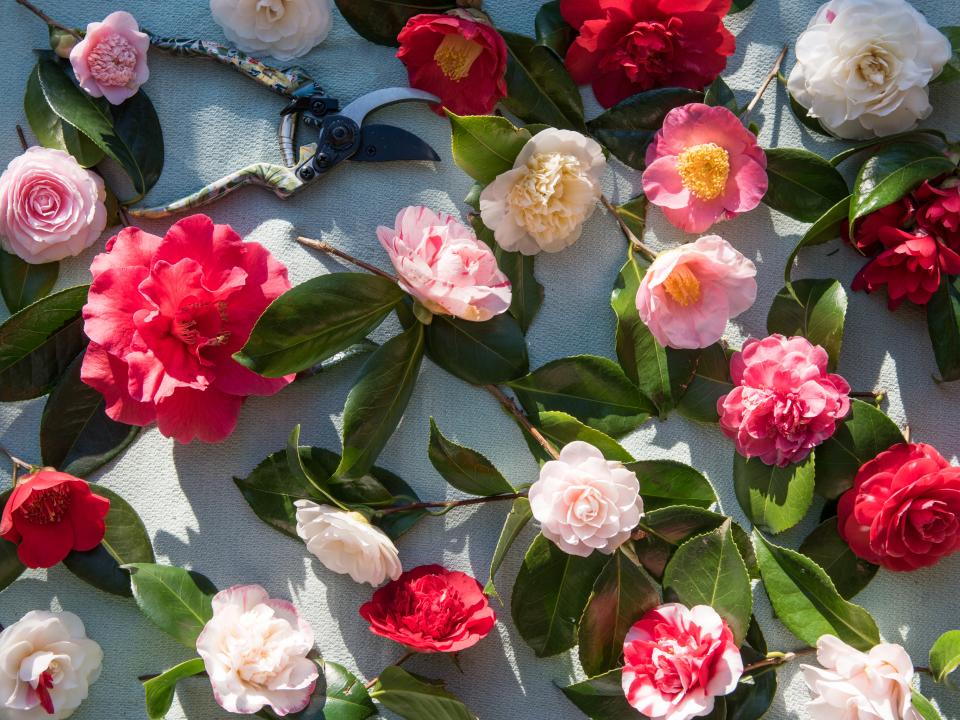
x=550, y=594
x=517, y=519
x=562, y=429
x=924, y=707
x=806, y=601
x=378, y=399
x=711, y=381
x=51, y=130
x=943, y=323
x=10, y=566
x=754, y=693
x=719, y=93
x=172, y=599
x=413, y=698
x=802, y=184
x=622, y=594
x=592, y=389
x=629, y=126
x=540, y=90
x=480, y=353
x=864, y=434
x=774, y=498
x=380, y=21
x=527, y=292
x=22, y=283
x=38, y=343
x=159, y=691
x=892, y=172
x=806, y=119
x=485, y=146
x=342, y=696
x=634, y=215
x=316, y=320
x=136, y=123
x=708, y=570
x=945, y=655
x=668, y=482
x=875, y=143
x=739, y=6
x=465, y=469
x=602, y=698
x=551, y=29
x=831, y=552
x=824, y=229
x=951, y=72
x=816, y=310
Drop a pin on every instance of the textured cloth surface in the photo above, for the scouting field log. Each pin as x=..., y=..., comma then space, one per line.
x=214, y=122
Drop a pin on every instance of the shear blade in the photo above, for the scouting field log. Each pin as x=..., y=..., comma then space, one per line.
x=384, y=143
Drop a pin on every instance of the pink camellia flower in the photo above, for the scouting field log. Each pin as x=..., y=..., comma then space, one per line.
x=785, y=403
x=111, y=60
x=50, y=207
x=443, y=265
x=677, y=660
x=704, y=166
x=689, y=293
x=164, y=317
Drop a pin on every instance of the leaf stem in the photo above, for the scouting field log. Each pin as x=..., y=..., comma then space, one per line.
x=453, y=503
x=49, y=20
x=331, y=250
x=511, y=407
x=771, y=76
x=634, y=241
x=23, y=138
x=875, y=396
x=775, y=659
x=398, y=663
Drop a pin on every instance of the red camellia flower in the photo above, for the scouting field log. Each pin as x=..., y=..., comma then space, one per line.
x=49, y=514
x=461, y=61
x=903, y=511
x=866, y=238
x=939, y=212
x=164, y=317
x=628, y=46
x=431, y=609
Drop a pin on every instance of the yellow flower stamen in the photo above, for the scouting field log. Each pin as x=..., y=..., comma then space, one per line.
x=682, y=286
x=456, y=55
x=704, y=170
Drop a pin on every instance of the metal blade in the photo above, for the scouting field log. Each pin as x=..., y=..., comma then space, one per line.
x=366, y=104
x=383, y=143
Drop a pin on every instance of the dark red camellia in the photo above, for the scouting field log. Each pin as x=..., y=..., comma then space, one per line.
x=431, y=609
x=866, y=238
x=903, y=511
x=628, y=46
x=49, y=514
x=461, y=61
x=939, y=212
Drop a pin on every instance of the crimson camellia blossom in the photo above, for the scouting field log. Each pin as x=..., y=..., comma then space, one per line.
x=903, y=511
x=939, y=212
x=866, y=237
x=461, y=61
x=431, y=609
x=628, y=46
x=49, y=514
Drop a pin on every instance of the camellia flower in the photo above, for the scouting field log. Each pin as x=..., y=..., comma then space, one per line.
x=254, y=649
x=164, y=317
x=460, y=60
x=863, y=67
x=628, y=46
x=585, y=502
x=443, y=265
x=785, y=403
x=903, y=511
x=285, y=29
x=431, y=609
x=111, y=60
x=50, y=514
x=689, y=293
x=938, y=211
x=347, y=543
x=47, y=665
x=704, y=166
x=542, y=203
x=50, y=207
x=866, y=237
x=677, y=660
x=854, y=685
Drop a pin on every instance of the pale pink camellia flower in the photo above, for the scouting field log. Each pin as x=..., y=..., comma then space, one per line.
x=855, y=685
x=689, y=293
x=443, y=265
x=677, y=660
x=255, y=649
x=111, y=60
x=785, y=403
x=704, y=166
x=165, y=316
x=585, y=502
x=50, y=207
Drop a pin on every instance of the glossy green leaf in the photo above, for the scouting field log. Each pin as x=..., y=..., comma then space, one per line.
x=806, y=601
x=22, y=283
x=551, y=29
x=824, y=229
x=517, y=519
x=926, y=709
x=951, y=72
x=774, y=498
x=719, y=93
x=539, y=88
x=159, y=691
x=831, y=552
x=802, y=184
x=480, y=353
x=711, y=381
x=464, y=468
x=527, y=291
x=633, y=213
x=815, y=310
x=602, y=698
x=550, y=594
x=668, y=482
x=875, y=143
x=739, y=6
x=485, y=146
x=316, y=320
x=943, y=323
x=136, y=123
x=413, y=698
x=561, y=429
x=10, y=566
x=380, y=21
x=172, y=599
x=945, y=655
x=341, y=696
x=51, y=130
x=754, y=693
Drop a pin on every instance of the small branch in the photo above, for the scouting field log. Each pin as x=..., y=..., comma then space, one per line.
x=924, y=670
x=398, y=663
x=634, y=241
x=511, y=407
x=23, y=138
x=49, y=20
x=777, y=659
x=331, y=250
x=452, y=503
x=17, y=462
x=771, y=76
x=874, y=396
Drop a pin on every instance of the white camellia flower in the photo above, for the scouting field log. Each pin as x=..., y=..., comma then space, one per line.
x=47, y=665
x=542, y=203
x=254, y=649
x=863, y=67
x=854, y=685
x=347, y=544
x=285, y=29
x=585, y=502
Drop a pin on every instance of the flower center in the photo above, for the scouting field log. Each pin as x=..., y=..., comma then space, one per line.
x=273, y=9
x=873, y=67
x=113, y=61
x=682, y=286
x=201, y=323
x=47, y=506
x=704, y=170
x=455, y=56
x=44, y=683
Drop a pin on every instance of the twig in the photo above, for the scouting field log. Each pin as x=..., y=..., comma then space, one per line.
x=876, y=396
x=49, y=20
x=771, y=76
x=452, y=503
x=521, y=417
x=124, y=217
x=636, y=242
x=398, y=663
x=23, y=138
x=777, y=659
x=331, y=250
x=17, y=462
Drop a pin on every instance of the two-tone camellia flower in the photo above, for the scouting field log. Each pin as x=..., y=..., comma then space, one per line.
x=111, y=59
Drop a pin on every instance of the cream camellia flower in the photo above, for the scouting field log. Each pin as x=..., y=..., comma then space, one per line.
x=585, y=502
x=854, y=685
x=254, y=649
x=863, y=67
x=542, y=203
x=285, y=29
x=47, y=664
x=347, y=544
